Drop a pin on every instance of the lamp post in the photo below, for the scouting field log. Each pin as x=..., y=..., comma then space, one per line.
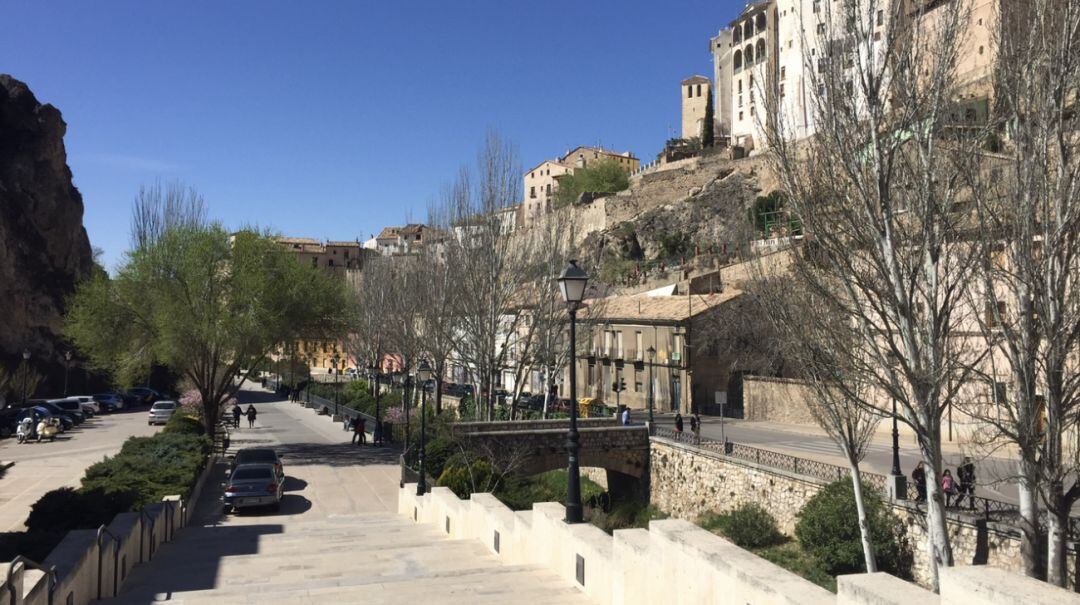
x=652, y=356
x=25, y=376
x=423, y=375
x=67, y=368
x=337, y=375
x=895, y=443
x=897, y=483
x=376, y=435
x=572, y=283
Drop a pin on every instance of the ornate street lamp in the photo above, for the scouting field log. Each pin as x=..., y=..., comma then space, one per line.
x=652, y=356
x=26, y=376
x=572, y=283
x=423, y=375
x=67, y=368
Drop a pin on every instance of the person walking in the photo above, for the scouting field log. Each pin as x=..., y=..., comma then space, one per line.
x=236, y=413
x=678, y=424
x=359, y=437
x=948, y=486
x=626, y=417
x=918, y=476
x=965, y=474
x=251, y=413
x=695, y=425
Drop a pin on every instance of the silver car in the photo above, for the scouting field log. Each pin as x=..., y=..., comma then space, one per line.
x=254, y=485
x=161, y=411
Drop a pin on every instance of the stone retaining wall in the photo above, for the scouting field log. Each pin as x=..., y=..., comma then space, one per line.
x=686, y=482
x=776, y=400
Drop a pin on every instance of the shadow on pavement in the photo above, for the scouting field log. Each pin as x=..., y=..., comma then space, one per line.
x=294, y=484
x=257, y=397
x=336, y=454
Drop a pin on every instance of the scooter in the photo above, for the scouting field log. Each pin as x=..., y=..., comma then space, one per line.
x=47, y=429
x=25, y=430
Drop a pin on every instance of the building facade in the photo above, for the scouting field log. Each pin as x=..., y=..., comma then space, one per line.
x=695, y=92
x=720, y=47
x=542, y=182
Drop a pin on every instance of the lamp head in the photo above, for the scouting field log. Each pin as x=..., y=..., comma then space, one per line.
x=26, y=354
x=572, y=283
x=423, y=371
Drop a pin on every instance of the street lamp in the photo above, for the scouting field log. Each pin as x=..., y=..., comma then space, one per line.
x=423, y=375
x=376, y=435
x=652, y=356
x=67, y=368
x=26, y=376
x=337, y=375
x=572, y=283
x=897, y=480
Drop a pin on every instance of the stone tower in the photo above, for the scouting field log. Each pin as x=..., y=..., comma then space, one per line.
x=695, y=95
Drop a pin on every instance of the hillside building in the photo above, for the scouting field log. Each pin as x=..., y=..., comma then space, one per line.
x=542, y=181
x=695, y=92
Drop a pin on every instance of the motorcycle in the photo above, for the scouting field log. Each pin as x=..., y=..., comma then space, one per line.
x=47, y=429
x=25, y=430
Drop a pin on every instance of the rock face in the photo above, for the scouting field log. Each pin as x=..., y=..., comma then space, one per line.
x=44, y=249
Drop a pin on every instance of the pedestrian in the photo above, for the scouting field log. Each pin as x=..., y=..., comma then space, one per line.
x=678, y=424
x=695, y=424
x=376, y=434
x=948, y=486
x=919, y=477
x=251, y=413
x=626, y=417
x=236, y=413
x=965, y=474
x=358, y=432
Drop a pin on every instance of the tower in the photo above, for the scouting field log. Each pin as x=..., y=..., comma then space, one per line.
x=695, y=95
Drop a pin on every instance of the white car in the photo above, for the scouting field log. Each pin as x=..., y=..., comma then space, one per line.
x=161, y=411
x=88, y=403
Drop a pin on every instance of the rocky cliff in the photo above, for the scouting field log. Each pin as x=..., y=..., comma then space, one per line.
x=44, y=249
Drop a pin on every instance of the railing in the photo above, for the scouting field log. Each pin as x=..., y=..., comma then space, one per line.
x=30, y=564
x=116, y=558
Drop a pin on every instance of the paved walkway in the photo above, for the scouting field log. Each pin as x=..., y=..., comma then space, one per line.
x=336, y=539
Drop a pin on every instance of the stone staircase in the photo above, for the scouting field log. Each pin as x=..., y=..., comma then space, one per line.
x=372, y=558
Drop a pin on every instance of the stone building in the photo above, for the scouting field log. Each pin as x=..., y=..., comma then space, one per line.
x=633, y=338
x=720, y=47
x=695, y=94
x=753, y=67
x=542, y=181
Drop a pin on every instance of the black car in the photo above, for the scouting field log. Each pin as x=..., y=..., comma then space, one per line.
x=142, y=396
x=71, y=406
x=69, y=419
x=9, y=421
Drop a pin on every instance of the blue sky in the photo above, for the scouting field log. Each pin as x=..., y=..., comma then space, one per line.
x=331, y=119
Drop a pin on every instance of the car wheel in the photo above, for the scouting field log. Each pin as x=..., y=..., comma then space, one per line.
x=225, y=509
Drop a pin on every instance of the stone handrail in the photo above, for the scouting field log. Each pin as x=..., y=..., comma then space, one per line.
x=467, y=428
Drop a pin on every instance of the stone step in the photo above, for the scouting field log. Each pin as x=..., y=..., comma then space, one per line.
x=490, y=583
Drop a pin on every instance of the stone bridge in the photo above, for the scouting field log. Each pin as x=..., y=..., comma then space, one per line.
x=536, y=446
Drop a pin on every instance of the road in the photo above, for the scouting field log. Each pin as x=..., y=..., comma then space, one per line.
x=42, y=467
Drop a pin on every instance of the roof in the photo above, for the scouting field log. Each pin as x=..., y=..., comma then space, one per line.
x=344, y=244
x=297, y=240
x=599, y=150
x=697, y=80
x=641, y=307
x=555, y=162
x=389, y=232
x=411, y=228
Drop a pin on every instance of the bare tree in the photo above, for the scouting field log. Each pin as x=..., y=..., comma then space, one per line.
x=876, y=189
x=1028, y=210
x=159, y=208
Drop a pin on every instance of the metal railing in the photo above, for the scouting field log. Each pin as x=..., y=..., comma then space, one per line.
x=988, y=508
x=30, y=564
x=116, y=558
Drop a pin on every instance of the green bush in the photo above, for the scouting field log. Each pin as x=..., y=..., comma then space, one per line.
x=464, y=479
x=625, y=515
x=828, y=528
x=67, y=508
x=148, y=468
x=184, y=424
x=520, y=493
x=749, y=526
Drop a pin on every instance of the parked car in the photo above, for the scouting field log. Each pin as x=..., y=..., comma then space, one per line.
x=161, y=411
x=253, y=485
x=110, y=402
x=37, y=413
x=68, y=419
x=9, y=421
x=71, y=406
x=88, y=403
x=143, y=395
x=259, y=455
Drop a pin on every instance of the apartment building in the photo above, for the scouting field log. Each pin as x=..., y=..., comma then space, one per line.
x=542, y=181
x=753, y=67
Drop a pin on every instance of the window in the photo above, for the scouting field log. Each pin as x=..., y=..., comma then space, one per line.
x=698, y=90
x=783, y=72
x=817, y=6
x=740, y=86
x=820, y=28
x=751, y=82
x=738, y=60
x=637, y=344
x=592, y=370
x=740, y=113
x=751, y=110
x=980, y=50
x=689, y=92
x=994, y=313
x=532, y=192
x=781, y=91
x=751, y=96
x=880, y=17
x=1000, y=392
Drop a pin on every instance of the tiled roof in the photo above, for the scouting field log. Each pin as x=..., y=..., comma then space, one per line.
x=344, y=244
x=696, y=80
x=660, y=308
x=298, y=240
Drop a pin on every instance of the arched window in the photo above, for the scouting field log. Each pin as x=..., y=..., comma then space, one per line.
x=736, y=35
x=760, y=50
x=748, y=29
x=748, y=52
x=761, y=22
x=738, y=60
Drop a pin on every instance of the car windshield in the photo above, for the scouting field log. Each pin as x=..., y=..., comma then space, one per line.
x=251, y=473
x=164, y=406
x=247, y=456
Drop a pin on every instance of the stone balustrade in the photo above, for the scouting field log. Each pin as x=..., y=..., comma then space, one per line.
x=675, y=561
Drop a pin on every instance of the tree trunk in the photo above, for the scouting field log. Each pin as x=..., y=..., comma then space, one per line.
x=1029, y=525
x=547, y=392
x=864, y=526
x=1057, y=530
x=438, y=395
x=938, y=549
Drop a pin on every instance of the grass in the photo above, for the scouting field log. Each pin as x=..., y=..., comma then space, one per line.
x=520, y=493
x=625, y=515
